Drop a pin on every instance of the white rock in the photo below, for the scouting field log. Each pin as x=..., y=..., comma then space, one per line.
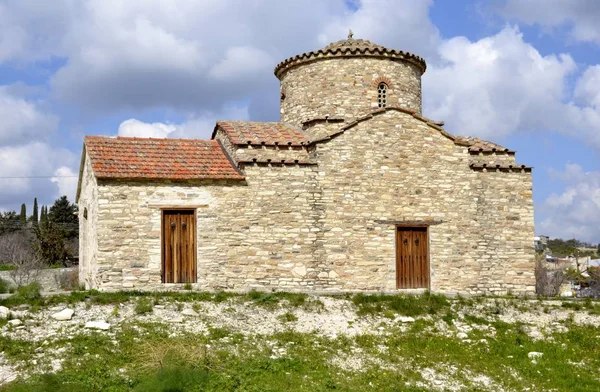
x=103, y=325
x=63, y=315
x=462, y=335
x=4, y=312
x=404, y=319
x=299, y=272
x=15, y=322
x=189, y=312
x=176, y=320
x=534, y=355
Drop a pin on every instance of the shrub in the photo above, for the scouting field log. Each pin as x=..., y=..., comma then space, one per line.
x=67, y=280
x=32, y=291
x=175, y=379
x=547, y=281
x=143, y=305
x=4, y=286
x=7, y=267
x=287, y=317
x=407, y=305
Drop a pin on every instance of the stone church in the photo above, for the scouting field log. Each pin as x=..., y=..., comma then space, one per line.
x=354, y=189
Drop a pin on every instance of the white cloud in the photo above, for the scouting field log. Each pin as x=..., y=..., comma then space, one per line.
x=25, y=172
x=587, y=89
x=495, y=86
x=198, y=127
x=133, y=127
x=22, y=120
x=241, y=62
x=33, y=30
x=581, y=16
x=576, y=211
x=66, y=179
x=181, y=54
x=400, y=24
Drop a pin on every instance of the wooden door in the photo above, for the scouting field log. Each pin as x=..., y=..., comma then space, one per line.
x=179, y=246
x=412, y=258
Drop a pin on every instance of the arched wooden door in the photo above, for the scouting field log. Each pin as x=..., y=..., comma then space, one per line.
x=412, y=258
x=179, y=246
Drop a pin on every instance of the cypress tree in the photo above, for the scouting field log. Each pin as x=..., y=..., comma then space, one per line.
x=44, y=215
x=34, y=216
x=23, y=214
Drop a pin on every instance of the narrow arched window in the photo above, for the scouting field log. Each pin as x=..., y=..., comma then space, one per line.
x=382, y=95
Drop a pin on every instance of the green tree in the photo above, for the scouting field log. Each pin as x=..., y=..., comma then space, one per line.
x=23, y=215
x=34, y=215
x=9, y=222
x=44, y=215
x=63, y=214
x=49, y=243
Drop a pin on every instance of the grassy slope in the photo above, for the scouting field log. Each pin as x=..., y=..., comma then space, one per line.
x=144, y=357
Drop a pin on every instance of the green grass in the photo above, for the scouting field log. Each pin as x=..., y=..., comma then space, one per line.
x=148, y=357
x=4, y=286
x=7, y=267
x=143, y=306
x=287, y=317
x=200, y=363
x=403, y=304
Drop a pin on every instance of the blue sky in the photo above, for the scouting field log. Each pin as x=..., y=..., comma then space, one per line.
x=523, y=73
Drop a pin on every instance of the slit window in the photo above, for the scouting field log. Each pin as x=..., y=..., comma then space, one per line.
x=382, y=95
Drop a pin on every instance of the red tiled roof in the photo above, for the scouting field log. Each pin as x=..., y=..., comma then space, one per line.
x=262, y=133
x=479, y=145
x=147, y=158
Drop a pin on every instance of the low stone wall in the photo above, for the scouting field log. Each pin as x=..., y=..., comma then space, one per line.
x=50, y=279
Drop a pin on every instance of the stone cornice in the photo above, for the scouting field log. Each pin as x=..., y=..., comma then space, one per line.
x=330, y=52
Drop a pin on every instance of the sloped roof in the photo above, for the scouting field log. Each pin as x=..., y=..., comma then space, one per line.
x=480, y=145
x=261, y=133
x=350, y=48
x=148, y=158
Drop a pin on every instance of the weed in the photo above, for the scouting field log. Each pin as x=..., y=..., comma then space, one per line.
x=287, y=317
x=4, y=286
x=115, y=311
x=30, y=292
x=407, y=305
x=448, y=317
x=475, y=320
x=7, y=267
x=572, y=305
x=175, y=378
x=143, y=306
x=188, y=287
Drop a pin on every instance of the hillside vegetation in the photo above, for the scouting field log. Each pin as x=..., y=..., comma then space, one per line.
x=198, y=341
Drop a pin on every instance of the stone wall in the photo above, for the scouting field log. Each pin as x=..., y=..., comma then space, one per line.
x=331, y=226
x=347, y=88
x=49, y=279
x=395, y=169
x=250, y=234
x=88, y=226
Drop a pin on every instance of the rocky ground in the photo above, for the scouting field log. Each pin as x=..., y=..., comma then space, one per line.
x=475, y=324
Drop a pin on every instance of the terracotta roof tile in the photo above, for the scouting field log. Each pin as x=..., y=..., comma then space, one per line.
x=500, y=165
x=480, y=145
x=147, y=158
x=350, y=48
x=262, y=133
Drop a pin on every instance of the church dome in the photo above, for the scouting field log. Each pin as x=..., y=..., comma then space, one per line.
x=347, y=79
x=350, y=47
